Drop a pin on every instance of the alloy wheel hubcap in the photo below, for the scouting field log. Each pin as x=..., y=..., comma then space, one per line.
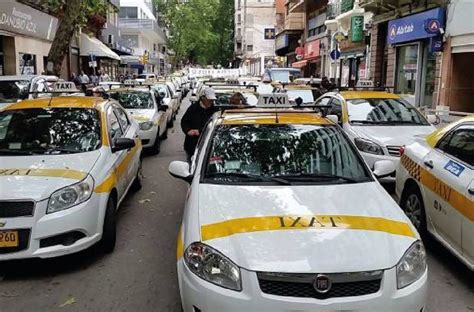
x=413, y=210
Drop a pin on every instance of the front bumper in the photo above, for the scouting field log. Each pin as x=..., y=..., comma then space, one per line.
x=148, y=137
x=85, y=219
x=207, y=297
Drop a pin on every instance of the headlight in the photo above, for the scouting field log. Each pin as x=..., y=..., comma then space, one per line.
x=147, y=125
x=212, y=266
x=71, y=195
x=412, y=265
x=368, y=146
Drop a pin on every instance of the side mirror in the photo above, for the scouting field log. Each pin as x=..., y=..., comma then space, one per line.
x=180, y=170
x=333, y=118
x=383, y=168
x=432, y=119
x=121, y=144
x=163, y=108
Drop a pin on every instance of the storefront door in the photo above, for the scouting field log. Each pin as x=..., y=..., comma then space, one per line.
x=407, y=72
x=428, y=78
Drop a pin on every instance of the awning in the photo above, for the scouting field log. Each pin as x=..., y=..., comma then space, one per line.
x=94, y=46
x=299, y=64
x=462, y=43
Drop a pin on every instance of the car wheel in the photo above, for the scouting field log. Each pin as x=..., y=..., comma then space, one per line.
x=170, y=123
x=157, y=145
x=137, y=182
x=165, y=134
x=109, y=231
x=413, y=206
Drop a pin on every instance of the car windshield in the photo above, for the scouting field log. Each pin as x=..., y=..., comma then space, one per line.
x=134, y=99
x=49, y=131
x=281, y=76
x=295, y=153
x=305, y=95
x=384, y=111
x=11, y=91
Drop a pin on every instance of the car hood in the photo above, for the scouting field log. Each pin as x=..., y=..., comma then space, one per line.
x=141, y=115
x=392, y=135
x=356, y=227
x=37, y=177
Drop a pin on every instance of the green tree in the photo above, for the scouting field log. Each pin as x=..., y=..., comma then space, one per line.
x=200, y=31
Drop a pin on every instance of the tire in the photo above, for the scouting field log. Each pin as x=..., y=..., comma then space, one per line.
x=165, y=134
x=157, y=145
x=414, y=207
x=170, y=123
x=109, y=231
x=137, y=182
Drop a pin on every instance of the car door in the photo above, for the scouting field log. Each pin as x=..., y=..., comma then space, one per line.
x=450, y=172
x=117, y=160
x=159, y=117
x=130, y=133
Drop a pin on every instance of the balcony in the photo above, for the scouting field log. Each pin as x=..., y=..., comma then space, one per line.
x=378, y=6
x=294, y=21
x=146, y=27
x=296, y=6
x=238, y=38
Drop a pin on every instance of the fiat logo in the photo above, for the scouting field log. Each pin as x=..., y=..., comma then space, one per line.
x=322, y=284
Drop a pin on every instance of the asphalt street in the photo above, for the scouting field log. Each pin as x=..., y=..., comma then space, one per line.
x=141, y=274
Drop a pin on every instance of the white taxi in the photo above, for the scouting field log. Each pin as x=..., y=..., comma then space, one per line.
x=379, y=123
x=66, y=164
x=144, y=106
x=435, y=184
x=276, y=220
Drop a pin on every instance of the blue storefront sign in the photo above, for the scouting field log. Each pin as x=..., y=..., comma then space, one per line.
x=423, y=25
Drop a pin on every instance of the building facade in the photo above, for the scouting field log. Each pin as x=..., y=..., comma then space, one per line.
x=140, y=31
x=254, y=41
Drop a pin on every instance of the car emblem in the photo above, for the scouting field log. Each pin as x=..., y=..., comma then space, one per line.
x=2, y=224
x=322, y=284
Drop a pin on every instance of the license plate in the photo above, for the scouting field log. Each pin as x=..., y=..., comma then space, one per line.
x=9, y=239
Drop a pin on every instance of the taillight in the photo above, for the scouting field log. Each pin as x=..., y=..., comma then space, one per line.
x=402, y=150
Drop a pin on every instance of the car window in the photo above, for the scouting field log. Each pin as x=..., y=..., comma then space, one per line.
x=122, y=118
x=134, y=99
x=460, y=144
x=56, y=131
x=308, y=153
x=305, y=95
x=323, y=101
x=115, y=130
x=336, y=107
x=12, y=91
x=384, y=111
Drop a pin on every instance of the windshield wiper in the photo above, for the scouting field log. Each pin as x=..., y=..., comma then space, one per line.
x=53, y=151
x=278, y=180
x=316, y=176
x=16, y=152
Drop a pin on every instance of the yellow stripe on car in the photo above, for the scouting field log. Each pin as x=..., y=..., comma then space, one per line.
x=453, y=197
x=307, y=222
x=179, y=244
x=53, y=173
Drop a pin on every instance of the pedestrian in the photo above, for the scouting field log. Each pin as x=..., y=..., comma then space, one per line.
x=195, y=119
x=94, y=79
x=75, y=79
x=104, y=76
x=83, y=78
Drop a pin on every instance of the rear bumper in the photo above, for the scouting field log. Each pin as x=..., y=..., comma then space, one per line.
x=148, y=137
x=208, y=297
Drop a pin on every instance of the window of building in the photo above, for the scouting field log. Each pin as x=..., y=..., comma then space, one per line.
x=238, y=5
x=239, y=19
x=316, y=25
x=27, y=63
x=110, y=39
x=154, y=46
x=128, y=12
x=239, y=46
x=250, y=47
x=239, y=32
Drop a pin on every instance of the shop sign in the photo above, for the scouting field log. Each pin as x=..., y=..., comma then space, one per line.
x=281, y=41
x=312, y=49
x=357, y=28
x=414, y=27
x=269, y=33
x=299, y=53
x=21, y=19
x=346, y=5
x=436, y=44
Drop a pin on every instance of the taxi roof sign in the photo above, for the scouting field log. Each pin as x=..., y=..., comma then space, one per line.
x=364, y=83
x=65, y=86
x=273, y=100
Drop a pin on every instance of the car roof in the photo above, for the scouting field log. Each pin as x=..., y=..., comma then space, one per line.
x=349, y=95
x=433, y=138
x=271, y=117
x=59, y=102
x=131, y=89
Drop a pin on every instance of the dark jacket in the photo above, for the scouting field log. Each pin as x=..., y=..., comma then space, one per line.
x=195, y=117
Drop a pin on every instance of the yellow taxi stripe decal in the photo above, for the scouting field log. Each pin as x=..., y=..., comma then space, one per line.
x=179, y=245
x=109, y=183
x=103, y=129
x=453, y=197
x=53, y=173
x=326, y=222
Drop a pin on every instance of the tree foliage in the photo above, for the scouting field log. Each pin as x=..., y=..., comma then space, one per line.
x=200, y=31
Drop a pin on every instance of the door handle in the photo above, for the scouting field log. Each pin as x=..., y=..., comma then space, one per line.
x=429, y=164
x=471, y=191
